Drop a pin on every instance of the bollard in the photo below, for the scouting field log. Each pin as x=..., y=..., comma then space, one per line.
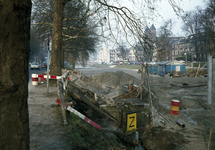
x=34, y=79
x=39, y=80
x=175, y=104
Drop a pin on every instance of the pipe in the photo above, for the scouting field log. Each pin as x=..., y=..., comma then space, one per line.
x=179, y=123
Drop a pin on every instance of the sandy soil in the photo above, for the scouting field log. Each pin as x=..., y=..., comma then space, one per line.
x=46, y=131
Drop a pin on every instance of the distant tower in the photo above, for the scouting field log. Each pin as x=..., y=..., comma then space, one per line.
x=153, y=32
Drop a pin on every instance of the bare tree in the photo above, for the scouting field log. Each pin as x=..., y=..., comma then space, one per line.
x=14, y=53
x=78, y=33
x=200, y=25
x=207, y=22
x=114, y=22
x=163, y=44
x=123, y=51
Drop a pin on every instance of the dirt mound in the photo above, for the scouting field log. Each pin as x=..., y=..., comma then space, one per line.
x=113, y=78
x=106, y=83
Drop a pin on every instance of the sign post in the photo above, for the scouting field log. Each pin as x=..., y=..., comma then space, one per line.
x=48, y=67
x=131, y=122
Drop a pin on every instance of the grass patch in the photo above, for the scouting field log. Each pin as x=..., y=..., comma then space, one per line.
x=89, y=99
x=129, y=66
x=68, y=68
x=100, y=66
x=193, y=71
x=197, y=64
x=58, y=111
x=190, y=70
x=84, y=136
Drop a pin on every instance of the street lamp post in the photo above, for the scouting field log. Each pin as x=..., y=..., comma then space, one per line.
x=185, y=57
x=48, y=67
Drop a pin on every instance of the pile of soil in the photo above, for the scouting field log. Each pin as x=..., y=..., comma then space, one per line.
x=113, y=78
x=107, y=83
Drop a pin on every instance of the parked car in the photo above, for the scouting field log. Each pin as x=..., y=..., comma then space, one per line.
x=116, y=63
x=137, y=63
x=121, y=62
x=35, y=65
x=132, y=63
x=44, y=65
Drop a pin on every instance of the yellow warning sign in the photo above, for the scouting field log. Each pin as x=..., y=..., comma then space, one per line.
x=131, y=122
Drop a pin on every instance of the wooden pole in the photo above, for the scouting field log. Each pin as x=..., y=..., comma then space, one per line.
x=197, y=70
x=120, y=87
x=129, y=88
x=95, y=96
x=150, y=96
x=79, y=75
x=141, y=91
x=209, y=139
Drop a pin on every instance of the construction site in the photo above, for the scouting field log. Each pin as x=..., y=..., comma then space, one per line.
x=169, y=112
x=106, y=96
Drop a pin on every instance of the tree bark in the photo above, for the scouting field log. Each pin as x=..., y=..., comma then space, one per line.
x=62, y=58
x=57, y=41
x=73, y=65
x=14, y=76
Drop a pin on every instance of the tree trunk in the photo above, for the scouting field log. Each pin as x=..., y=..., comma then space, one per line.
x=62, y=58
x=73, y=65
x=57, y=41
x=14, y=76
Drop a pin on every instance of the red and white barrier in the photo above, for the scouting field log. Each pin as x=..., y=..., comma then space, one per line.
x=80, y=115
x=42, y=76
x=50, y=77
x=34, y=79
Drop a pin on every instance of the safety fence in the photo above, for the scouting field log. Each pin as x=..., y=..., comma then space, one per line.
x=62, y=83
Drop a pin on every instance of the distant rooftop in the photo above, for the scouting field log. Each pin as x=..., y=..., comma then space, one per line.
x=152, y=27
x=147, y=29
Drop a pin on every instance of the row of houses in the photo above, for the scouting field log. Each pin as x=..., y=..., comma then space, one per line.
x=109, y=55
x=180, y=47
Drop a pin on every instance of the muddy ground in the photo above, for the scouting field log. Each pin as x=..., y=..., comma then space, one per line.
x=194, y=112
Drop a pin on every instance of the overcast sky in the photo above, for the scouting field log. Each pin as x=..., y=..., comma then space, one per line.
x=167, y=12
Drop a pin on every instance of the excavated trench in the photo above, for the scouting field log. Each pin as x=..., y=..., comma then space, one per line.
x=114, y=97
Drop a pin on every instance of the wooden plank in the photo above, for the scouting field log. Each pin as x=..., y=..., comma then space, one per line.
x=197, y=70
x=209, y=139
